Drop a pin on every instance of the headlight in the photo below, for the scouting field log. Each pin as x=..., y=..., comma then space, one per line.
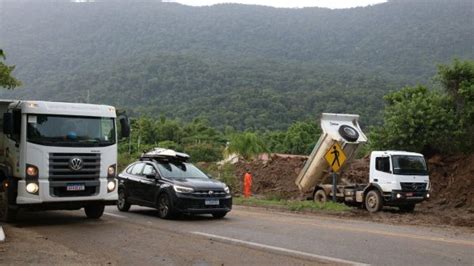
x=31, y=170
x=180, y=189
x=226, y=189
x=111, y=185
x=399, y=195
x=427, y=195
x=32, y=188
x=111, y=171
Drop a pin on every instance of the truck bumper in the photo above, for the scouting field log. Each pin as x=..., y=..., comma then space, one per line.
x=398, y=197
x=45, y=197
x=66, y=205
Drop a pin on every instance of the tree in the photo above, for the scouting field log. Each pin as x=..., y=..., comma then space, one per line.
x=417, y=119
x=246, y=144
x=458, y=81
x=6, y=78
x=301, y=137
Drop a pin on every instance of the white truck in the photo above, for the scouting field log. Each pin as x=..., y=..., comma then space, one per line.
x=396, y=178
x=57, y=155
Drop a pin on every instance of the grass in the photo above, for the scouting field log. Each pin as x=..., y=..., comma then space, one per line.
x=292, y=205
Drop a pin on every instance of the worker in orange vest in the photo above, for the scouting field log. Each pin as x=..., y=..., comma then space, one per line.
x=247, y=184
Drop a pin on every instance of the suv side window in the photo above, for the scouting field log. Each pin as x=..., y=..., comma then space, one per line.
x=382, y=164
x=137, y=169
x=149, y=170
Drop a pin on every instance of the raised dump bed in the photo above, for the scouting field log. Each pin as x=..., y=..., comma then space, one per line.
x=341, y=128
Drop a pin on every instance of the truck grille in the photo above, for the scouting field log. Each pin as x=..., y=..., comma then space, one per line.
x=60, y=170
x=413, y=186
x=206, y=194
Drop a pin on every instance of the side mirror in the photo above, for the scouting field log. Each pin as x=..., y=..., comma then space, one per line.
x=153, y=176
x=7, y=123
x=124, y=127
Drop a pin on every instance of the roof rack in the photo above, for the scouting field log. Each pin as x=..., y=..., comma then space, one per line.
x=164, y=154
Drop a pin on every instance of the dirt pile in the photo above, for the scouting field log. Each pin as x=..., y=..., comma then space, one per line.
x=273, y=176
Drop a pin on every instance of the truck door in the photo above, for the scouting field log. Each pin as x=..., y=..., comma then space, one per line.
x=382, y=175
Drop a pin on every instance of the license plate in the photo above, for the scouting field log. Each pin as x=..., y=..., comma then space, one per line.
x=409, y=194
x=211, y=202
x=75, y=187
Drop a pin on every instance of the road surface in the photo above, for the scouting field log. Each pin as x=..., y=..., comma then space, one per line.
x=246, y=236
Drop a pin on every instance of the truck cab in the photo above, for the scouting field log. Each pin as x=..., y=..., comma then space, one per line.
x=399, y=178
x=57, y=155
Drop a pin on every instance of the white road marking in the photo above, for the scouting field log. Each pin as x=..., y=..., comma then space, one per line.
x=279, y=249
x=2, y=234
x=114, y=215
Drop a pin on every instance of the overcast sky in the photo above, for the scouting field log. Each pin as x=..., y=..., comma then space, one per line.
x=286, y=3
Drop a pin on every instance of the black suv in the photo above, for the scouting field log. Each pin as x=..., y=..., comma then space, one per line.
x=173, y=186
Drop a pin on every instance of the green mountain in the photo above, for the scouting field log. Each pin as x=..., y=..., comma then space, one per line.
x=237, y=65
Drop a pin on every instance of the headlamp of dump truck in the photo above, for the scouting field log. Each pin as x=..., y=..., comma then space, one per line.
x=427, y=195
x=399, y=195
x=111, y=185
x=111, y=171
x=31, y=171
x=32, y=188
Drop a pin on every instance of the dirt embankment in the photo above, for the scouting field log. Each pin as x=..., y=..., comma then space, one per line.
x=452, y=188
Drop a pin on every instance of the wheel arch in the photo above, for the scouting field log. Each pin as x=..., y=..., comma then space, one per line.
x=372, y=186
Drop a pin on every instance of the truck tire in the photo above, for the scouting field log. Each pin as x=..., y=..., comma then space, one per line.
x=320, y=196
x=407, y=208
x=373, y=201
x=122, y=204
x=7, y=214
x=348, y=133
x=94, y=211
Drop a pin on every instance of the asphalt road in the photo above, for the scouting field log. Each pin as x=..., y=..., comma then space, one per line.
x=245, y=236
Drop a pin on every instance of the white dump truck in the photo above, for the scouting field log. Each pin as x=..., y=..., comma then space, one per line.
x=396, y=178
x=58, y=156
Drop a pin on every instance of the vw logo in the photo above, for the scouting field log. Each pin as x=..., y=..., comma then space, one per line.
x=75, y=164
x=211, y=192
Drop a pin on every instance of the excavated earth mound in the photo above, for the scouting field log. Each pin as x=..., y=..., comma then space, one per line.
x=274, y=176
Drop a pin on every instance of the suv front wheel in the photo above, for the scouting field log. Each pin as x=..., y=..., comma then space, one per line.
x=165, y=208
x=122, y=204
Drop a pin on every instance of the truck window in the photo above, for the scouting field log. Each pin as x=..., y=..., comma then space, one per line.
x=382, y=164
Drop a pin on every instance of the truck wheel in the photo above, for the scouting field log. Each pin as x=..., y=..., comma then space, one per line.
x=373, y=201
x=165, y=208
x=320, y=196
x=122, y=204
x=407, y=208
x=7, y=214
x=94, y=211
x=348, y=133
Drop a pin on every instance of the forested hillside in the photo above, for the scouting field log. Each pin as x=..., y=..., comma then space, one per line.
x=242, y=66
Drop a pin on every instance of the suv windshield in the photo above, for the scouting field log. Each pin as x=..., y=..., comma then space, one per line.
x=177, y=170
x=55, y=130
x=409, y=165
